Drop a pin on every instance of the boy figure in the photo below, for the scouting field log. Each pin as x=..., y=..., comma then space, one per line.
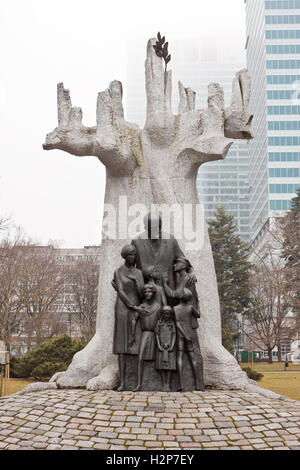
x=182, y=280
x=152, y=275
x=184, y=313
x=149, y=313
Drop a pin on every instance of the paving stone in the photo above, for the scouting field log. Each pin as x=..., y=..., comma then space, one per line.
x=68, y=442
x=25, y=443
x=66, y=447
x=87, y=444
x=108, y=420
x=40, y=445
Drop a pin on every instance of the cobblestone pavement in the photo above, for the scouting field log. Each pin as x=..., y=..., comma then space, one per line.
x=80, y=419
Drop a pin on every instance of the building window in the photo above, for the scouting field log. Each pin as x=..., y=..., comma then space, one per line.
x=282, y=94
x=278, y=205
x=283, y=125
x=283, y=64
x=284, y=156
x=284, y=140
x=283, y=49
x=283, y=34
x=284, y=172
x=282, y=19
x=283, y=110
x=282, y=79
x=283, y=188
x=282, y=4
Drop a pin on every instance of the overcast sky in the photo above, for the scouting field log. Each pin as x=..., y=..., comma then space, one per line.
x=54, y=195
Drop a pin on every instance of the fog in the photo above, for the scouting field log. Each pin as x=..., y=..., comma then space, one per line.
x=54, y=195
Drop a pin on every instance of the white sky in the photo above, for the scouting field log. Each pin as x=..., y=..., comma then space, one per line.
x=54, y=195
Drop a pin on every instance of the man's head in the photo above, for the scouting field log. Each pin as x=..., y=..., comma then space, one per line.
x=149, y=291
x=152, y=224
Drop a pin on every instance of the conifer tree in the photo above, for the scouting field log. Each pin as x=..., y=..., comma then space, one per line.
x=232, y=270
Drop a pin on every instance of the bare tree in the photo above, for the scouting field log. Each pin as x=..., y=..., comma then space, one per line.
x=291, y=251
x=4, y=222
x=283, y=239
x=271, y=300
x=11, y=266
x=82, y=292
x=41, y=290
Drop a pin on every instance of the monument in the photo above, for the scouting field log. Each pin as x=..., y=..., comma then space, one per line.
x=156, y=165
x=166, y=340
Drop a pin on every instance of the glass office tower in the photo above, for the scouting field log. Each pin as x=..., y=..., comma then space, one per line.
x=273, y=60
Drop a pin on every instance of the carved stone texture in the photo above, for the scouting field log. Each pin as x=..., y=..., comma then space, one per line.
x=158, y=164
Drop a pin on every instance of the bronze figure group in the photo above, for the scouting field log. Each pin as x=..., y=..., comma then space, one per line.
x=156, y=311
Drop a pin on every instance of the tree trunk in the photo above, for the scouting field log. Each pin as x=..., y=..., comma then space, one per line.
x=270, y=358
x=279, y=345
x=279, y=352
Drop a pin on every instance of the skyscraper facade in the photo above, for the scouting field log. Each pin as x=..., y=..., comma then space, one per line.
x=273, y=60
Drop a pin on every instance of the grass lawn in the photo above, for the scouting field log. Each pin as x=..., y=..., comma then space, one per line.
x=284, y=383
x=15, y=385
x=264, y=366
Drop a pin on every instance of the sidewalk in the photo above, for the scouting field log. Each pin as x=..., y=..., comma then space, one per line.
x=80, y=419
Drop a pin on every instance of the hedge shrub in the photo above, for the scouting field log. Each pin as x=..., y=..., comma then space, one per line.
x=53, y=355
x=253, y=374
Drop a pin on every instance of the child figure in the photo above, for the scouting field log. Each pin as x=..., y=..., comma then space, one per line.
x=165, y=332
x=183, y=279
x=149, y=313
x=152, y=275
x=184, y=313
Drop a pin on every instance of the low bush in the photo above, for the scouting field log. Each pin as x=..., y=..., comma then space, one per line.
x=253, y=374
x=51, y=356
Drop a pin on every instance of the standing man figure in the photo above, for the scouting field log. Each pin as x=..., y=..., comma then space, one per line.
x=153, y=247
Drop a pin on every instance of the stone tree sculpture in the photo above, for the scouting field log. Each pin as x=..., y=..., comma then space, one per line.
x=157, y=164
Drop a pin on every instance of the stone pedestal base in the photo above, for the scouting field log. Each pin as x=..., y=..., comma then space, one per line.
x=152, y=380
